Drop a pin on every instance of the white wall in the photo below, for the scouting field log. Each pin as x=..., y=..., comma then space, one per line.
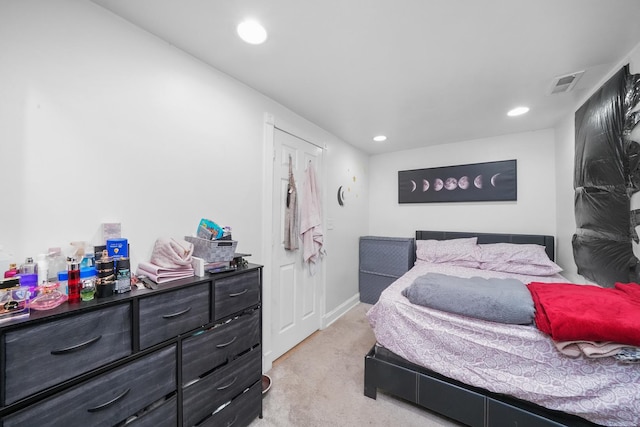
x=349, y=170
x=102, y=122
x=533, y=213
x=565, y=153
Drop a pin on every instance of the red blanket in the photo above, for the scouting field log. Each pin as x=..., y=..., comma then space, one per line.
x=570, y=312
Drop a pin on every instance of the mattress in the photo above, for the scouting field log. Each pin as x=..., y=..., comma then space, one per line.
x=515, y=360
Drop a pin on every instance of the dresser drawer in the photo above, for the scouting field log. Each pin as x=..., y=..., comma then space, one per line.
x=173, y=313
x=107, y=399
x=210, y=349
x=40, y=356
x=240, y=412
x=165, y=414
x=208, y=394
x=235, y=293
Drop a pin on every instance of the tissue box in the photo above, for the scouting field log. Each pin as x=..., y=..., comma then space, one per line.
x=213, y=250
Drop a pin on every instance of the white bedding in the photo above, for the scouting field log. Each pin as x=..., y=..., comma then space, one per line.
x=515, y=360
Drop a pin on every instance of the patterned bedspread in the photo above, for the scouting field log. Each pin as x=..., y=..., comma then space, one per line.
x=514, y=360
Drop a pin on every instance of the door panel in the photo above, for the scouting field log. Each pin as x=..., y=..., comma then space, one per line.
x=295, y=292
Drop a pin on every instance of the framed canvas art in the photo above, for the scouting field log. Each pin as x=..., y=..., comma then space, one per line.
x=477, y=182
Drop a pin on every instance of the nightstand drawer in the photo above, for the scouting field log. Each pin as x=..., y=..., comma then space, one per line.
x=107, y=399
x=235, y=293
x=210, y=349
x=240, y=412
x=172, y=313
x=208, y=394
x=43, y=355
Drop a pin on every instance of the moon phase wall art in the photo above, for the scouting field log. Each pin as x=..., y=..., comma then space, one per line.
x=477, y=182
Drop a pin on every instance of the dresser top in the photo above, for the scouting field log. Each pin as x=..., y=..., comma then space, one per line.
x=38, y=316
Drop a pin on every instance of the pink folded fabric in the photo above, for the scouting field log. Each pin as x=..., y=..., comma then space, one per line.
x=590, y=349
x=161, y=275
x=172, y=253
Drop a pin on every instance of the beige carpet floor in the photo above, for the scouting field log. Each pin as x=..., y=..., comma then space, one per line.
x=320, y=383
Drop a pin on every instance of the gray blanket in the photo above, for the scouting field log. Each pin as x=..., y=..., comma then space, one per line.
x=496, y=300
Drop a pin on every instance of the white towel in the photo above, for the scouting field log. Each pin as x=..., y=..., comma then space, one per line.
x=310, y=220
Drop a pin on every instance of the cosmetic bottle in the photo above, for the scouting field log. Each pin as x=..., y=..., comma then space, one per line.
x=123, y=275
x=57, y=262
x=29, y=277
x=42, y=265
x=73, y=280
x=88, y=279
x=62, y=280
x=12, y=271
x=28, y=267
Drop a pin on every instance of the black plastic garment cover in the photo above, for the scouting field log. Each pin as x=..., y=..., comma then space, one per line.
x=606, y=175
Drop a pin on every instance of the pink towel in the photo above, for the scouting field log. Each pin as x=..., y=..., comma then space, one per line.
x=172, y=253
x=310, y=220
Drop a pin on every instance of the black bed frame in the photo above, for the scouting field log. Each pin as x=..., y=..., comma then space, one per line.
x=463, y=403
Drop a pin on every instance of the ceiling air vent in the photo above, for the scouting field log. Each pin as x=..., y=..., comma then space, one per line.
x=562, y=84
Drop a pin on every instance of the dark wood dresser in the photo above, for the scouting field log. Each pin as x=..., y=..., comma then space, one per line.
x=188, y=353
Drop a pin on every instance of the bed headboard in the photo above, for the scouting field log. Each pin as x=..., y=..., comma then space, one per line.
x=547, y=241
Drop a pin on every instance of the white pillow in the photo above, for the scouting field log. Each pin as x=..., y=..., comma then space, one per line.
x=520, y=259
x=462, y=252
x=521, y=268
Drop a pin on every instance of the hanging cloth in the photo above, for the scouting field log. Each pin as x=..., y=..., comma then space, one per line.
x=310, y=220
x=291, y=219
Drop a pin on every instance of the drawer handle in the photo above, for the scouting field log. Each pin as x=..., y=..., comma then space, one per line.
x=75, y=347
x=109, y=403
x=227, y=343
x=239, y=293
x=233, y=421
x=228, y=385
x=180, y=313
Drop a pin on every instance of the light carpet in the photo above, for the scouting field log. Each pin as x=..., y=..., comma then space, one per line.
x=320, y=383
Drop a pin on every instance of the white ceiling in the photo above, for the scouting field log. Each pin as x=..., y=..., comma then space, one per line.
x=422, y=72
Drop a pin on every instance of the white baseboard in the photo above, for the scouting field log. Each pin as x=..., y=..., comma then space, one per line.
x=339, y=311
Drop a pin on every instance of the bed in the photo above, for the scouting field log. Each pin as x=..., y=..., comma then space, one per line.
x=482, y=373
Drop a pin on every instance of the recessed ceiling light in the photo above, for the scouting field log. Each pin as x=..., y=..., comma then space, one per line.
x=252, y=32
x=518, y=111
x=379, y=138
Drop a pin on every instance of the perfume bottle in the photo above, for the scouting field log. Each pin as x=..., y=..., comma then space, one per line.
x=73, y=280
x=12, y=271
x=29, y=267
x=49, y=296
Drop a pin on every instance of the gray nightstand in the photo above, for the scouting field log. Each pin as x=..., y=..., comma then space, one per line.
x=382, y=261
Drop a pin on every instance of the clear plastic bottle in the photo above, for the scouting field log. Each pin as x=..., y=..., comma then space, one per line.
x=42, y=265
x=62, y=280
x=57, y=262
